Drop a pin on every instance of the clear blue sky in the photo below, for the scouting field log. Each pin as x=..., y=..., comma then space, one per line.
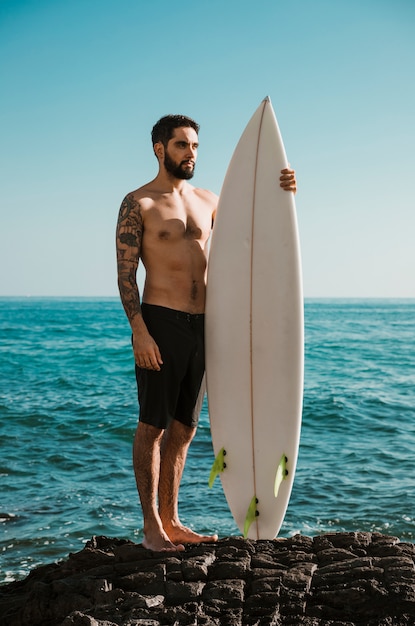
x=83, y=81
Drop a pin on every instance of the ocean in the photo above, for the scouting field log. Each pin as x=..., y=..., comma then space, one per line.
x=68, y=413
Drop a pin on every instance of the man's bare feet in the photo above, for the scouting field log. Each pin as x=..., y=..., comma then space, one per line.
x=160, y=542
x=181, y=534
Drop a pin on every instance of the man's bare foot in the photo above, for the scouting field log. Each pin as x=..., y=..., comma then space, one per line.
x=181, y=534
x=160, y=542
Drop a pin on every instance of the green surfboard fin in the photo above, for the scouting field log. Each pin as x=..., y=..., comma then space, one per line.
x=281, y=474
x=217, y=467
x=250, y=516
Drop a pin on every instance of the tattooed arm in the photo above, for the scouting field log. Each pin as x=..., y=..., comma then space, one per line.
x=129, y=236
x=129, y=241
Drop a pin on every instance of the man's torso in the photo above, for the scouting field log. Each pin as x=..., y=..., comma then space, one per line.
x=176, y=229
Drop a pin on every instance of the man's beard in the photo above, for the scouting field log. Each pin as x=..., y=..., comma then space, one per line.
x=178, y=170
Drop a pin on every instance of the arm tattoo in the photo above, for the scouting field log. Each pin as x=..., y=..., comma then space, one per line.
x=129, y=239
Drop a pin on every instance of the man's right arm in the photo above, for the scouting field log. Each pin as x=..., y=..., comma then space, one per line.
x=129, y=241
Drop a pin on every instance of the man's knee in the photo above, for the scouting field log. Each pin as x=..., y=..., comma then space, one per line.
x=180, y=431
x=148, y=433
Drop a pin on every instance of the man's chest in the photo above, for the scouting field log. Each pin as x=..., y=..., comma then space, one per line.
x=174, y=222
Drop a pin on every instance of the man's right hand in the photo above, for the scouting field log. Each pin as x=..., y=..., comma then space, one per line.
x=146, y=352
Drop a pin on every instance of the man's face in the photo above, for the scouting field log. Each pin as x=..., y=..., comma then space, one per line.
x=181, y=153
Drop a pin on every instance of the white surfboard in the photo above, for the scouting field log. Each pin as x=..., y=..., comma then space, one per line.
x=254, y=332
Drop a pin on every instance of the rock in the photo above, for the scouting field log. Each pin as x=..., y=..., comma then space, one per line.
x=343, y=579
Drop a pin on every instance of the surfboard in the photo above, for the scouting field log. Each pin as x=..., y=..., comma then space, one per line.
x=254, y=332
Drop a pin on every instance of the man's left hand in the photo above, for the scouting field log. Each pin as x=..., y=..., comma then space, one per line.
x=287, y=180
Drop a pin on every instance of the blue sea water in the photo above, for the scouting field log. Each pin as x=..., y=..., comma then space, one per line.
x=68, y=413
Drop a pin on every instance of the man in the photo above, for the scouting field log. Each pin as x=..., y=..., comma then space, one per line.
x=167, y=224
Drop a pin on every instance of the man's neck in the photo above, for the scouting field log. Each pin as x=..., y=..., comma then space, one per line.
x=170, y=184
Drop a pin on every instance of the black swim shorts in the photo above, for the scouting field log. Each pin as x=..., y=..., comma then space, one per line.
x=172, y=392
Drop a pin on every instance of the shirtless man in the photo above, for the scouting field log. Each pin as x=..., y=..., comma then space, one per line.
x=167, y=223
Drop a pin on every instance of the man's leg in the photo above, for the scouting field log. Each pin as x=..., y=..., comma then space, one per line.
x=174, y=447
x=146, y=457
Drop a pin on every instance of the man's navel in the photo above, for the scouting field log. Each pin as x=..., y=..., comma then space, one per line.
x=164, y=234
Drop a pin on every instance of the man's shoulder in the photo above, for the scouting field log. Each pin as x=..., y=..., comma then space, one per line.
x=143, y=196
x=206, y=195
x=148, y=194
x=142, y=192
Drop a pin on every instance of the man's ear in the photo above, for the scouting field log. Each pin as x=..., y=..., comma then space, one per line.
x=159, y=150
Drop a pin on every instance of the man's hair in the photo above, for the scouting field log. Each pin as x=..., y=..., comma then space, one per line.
x=163, y=130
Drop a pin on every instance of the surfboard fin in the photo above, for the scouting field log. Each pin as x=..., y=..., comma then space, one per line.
x=281, y=474
x=217, y=467
x=251, y=515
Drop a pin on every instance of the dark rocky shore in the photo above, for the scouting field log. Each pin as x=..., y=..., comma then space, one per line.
x=341, y=579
